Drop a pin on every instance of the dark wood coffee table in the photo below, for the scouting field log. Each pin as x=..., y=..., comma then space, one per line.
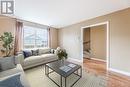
x=55, y=66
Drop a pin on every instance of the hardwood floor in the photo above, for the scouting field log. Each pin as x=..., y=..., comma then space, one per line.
x=113, y=79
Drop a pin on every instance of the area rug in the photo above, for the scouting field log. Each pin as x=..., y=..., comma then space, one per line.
x=37, y=78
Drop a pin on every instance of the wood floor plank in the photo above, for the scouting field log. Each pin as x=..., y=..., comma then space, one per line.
x=113, y=79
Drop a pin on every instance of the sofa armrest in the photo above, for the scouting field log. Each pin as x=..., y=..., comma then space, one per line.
x=16, y=71
x=19, y=67
x=9, y=72
x=19, y=59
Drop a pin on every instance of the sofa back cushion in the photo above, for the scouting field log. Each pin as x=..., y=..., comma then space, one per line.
x=7, y=63
x=27, y=53
x=44, y=51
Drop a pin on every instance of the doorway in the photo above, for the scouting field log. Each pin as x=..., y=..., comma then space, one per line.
x=95, y=42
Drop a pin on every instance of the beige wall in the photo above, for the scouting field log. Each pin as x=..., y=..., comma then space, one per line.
x=86, y=38
x=54, y=37
x=119, y=24
x=86, y=35
x=98, y=42
x=6, y=25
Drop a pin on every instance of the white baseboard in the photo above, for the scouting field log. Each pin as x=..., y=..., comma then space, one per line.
x=119, y=71
x=76, y=60
x=98, y=59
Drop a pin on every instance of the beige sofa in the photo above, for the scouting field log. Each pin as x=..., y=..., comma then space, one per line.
x=44, y=57
x=11, y=72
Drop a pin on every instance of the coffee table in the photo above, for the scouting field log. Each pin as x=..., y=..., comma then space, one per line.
x=60, y=68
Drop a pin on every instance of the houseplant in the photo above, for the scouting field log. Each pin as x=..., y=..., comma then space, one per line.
x=7, y=43
x=61, y=53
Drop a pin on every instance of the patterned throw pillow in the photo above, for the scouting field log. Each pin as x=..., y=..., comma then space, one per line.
x=35, y=52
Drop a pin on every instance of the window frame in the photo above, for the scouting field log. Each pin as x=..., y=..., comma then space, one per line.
x=35, y=45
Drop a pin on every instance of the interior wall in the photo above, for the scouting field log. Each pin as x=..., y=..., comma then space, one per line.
x=98, y=42
x=86, y=38
x=119, y=45
x=54, y=37
x=6, y=25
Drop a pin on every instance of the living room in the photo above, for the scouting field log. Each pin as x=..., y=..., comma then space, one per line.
x=43, y=45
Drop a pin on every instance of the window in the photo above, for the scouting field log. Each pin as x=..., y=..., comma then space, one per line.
x=35, y=37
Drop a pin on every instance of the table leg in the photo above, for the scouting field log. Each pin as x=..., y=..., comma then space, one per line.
x=61, y=80
x=65, y=81
x=81, y=71
x=45, y=70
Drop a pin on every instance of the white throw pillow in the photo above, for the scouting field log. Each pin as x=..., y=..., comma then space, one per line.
x=57, y=49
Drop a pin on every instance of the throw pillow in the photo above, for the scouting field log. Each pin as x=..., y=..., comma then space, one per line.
x=56, y=52
x=27, y=53
x=52, y=51
x=7, y=63
x=35, y=52
x=58, y=48
x=13, y=81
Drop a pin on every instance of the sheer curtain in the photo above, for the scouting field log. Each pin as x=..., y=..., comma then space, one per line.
x=18, y=37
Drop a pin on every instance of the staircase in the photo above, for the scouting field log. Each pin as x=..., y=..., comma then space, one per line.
x=87, y=51
x=87, y=54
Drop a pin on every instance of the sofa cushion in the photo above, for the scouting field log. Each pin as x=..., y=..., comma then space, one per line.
x=35, y=52
x=27, y=53
x=44, y=51
x=7, y=63
x=38, y=59
x=48, y=56
x=32, y=60
x=12, y=81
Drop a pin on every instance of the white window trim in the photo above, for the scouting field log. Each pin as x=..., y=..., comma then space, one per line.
x=35, y=40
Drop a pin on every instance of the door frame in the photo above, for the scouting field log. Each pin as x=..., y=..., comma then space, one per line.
x=107, y=41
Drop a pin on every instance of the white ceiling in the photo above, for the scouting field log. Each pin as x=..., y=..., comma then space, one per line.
x=60, y=13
